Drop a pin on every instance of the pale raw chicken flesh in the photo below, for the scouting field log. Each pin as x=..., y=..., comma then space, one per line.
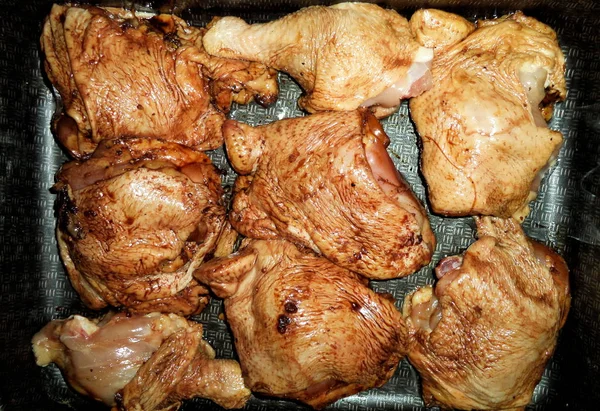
x=485, y=141
x=326, y=182
x=304, y=328
x=135, y=219
x=139, y=362
x=119, y=74
x=344, y=56
x=481, y=338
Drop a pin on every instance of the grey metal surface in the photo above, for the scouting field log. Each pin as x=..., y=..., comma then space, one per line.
x=566, y=215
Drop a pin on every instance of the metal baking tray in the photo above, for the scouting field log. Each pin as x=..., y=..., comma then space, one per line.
x=566, y=214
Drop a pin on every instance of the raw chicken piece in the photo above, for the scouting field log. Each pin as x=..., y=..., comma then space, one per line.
x=149, y=362
x=304, y=328
x=344, y=56
x=482, y=124
x=481, y=338
x=135, y=219
x=122, y=75
x=326, y=181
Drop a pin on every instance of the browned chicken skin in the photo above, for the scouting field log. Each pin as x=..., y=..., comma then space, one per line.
x=326, y=181
x=139, y=362
x=122, y=75
x=344, y=56
x=480, y=340
x=304, y=328
x=483, y=123
x=134, y=221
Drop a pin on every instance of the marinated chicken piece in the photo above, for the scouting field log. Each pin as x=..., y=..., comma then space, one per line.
x=184, y=367
x=304, y=328
x=135, y=220
x=118, y=76
x=122, y=75
x=149, y=362
x=481, y=338
x=483, y=125
x=344, y=56
x=326, y=182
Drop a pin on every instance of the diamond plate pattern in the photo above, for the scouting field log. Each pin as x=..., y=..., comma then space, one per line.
x=566, y=215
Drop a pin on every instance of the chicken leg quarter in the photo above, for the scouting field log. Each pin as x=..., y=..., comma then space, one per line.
x=133, y=222
x=327, y=182
x=304, y=328
x=483, y=126
x=481, y=338
x=139, y=362
x=120, y=73
x=344, y=56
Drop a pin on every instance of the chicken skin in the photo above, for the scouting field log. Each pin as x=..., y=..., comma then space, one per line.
x=327, y=182
x=485, y=140
x=135, y=219
x=437, y=29
x=482, y=337
x=343, y=56
x=139, y=362
x=304, y=328
x=119, y=74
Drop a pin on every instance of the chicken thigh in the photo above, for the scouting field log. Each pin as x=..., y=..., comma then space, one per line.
x=481, y=338
x=140, y=362
x=119, y=74
x=485, y=141
x=304, y=328
x=327, y=182
x=135, y=219
x=344, y=56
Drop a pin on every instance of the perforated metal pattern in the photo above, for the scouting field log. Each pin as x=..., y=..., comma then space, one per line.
x=566, y=215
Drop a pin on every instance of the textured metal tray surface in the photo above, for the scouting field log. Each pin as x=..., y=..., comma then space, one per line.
x=566, y=215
